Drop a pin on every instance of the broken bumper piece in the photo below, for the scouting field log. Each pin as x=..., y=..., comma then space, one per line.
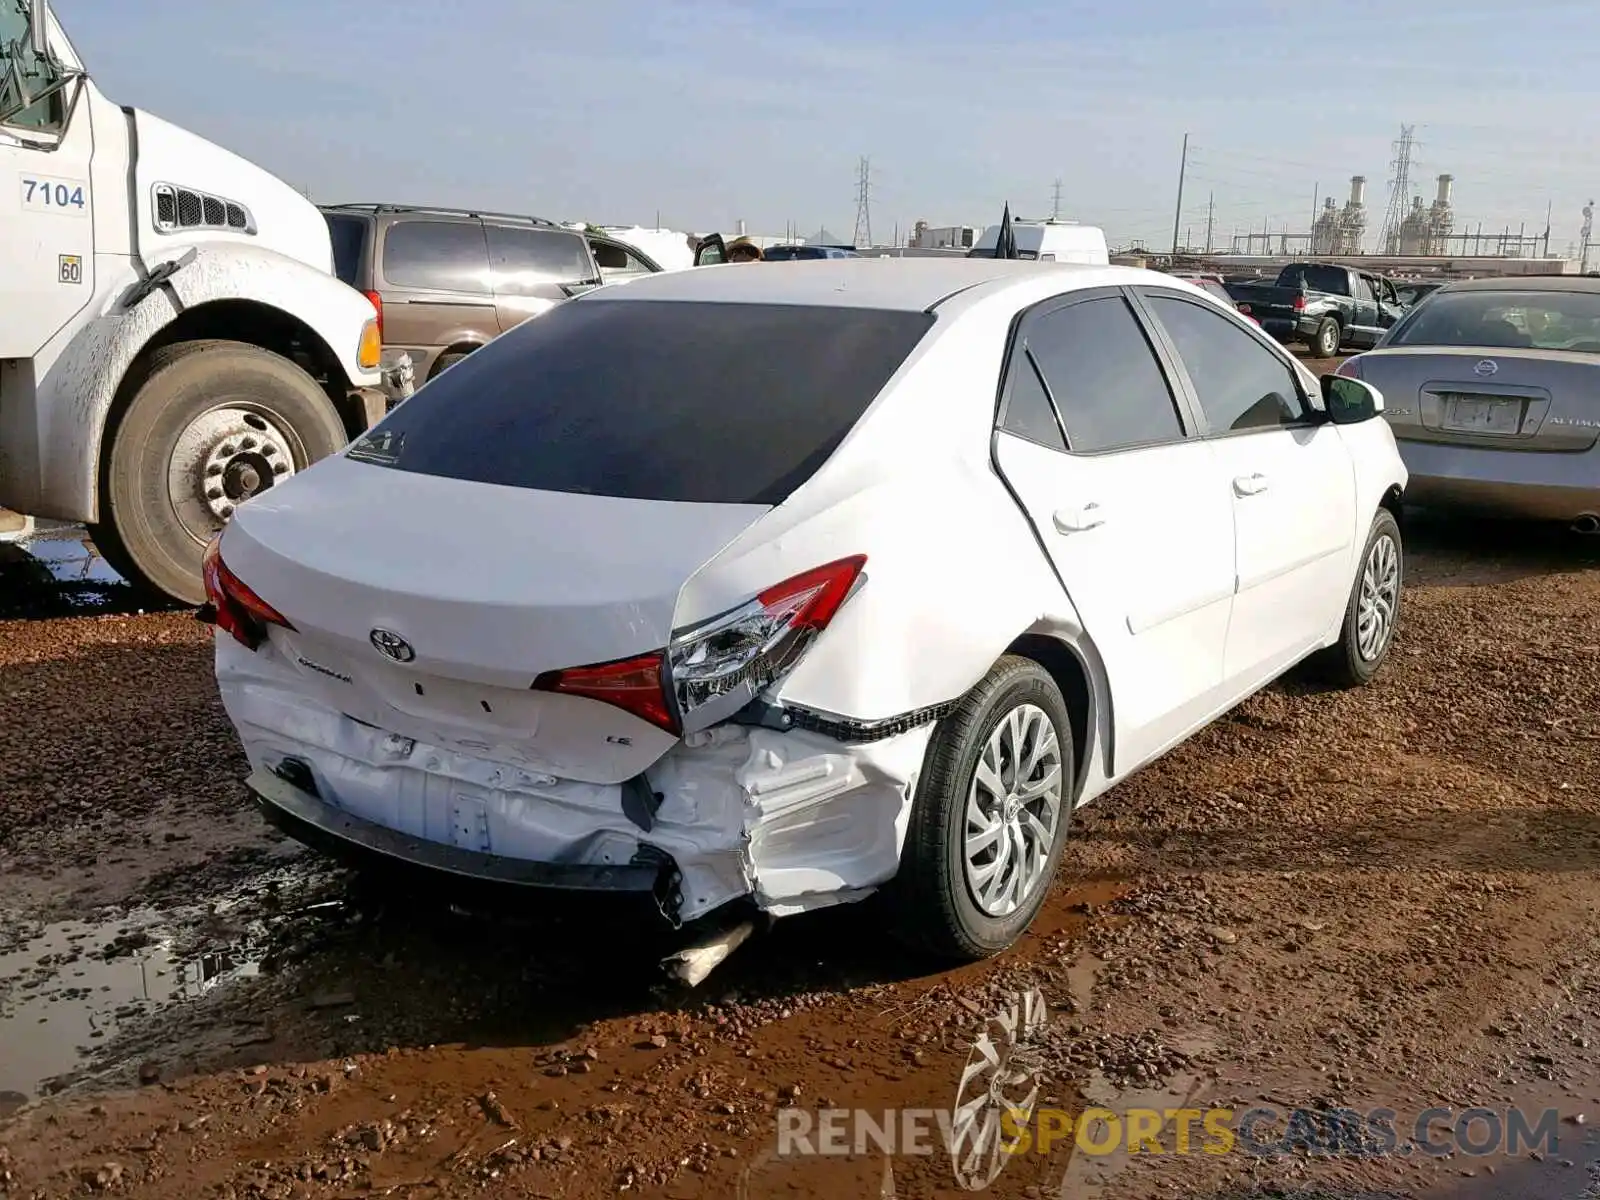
x=791, y=820
x=288, y=800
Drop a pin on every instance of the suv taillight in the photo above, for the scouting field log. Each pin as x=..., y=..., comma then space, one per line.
x=377, y=303
x=232, y=606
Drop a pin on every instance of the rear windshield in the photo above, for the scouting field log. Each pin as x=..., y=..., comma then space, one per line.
x=348, y=233
x=1313, y=278
x=1505, y=320
x=652, y=400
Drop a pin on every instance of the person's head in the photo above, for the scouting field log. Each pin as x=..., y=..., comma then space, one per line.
x=743, y=250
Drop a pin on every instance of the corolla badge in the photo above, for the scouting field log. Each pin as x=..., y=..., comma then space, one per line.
x=1486, y=366
x=391, y=645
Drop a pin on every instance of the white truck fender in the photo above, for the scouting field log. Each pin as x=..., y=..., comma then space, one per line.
x=74, y=398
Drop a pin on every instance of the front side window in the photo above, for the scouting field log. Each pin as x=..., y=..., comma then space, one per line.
x=444, y=256
x=652, y=399
x=1240, y=383
x=1104, y=377
x=23, y=73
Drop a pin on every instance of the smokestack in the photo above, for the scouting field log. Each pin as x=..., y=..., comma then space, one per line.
x=741, y=228
x=1358, y=189
x=1444, y=188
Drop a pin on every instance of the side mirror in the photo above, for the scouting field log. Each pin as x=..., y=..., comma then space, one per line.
x=1350, y=401
x=39, y=27
x=711, y=251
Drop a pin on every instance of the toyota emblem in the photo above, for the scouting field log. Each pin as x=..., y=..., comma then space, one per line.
x=1486, y=366
x=391, y=645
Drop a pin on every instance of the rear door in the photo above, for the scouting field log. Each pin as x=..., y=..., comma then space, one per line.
x=1364, y=325
x=434, y=279
x=1128, y=505
x=537, y=268
x=1290, y=478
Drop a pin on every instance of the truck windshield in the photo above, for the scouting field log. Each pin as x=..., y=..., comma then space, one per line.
x=695, y=402
x=348, y=233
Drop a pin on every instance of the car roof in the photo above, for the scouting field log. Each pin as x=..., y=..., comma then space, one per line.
x=1527, y=283
x=905, y=284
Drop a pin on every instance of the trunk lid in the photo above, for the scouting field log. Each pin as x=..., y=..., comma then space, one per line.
x=488, y=586
x=1488, y=396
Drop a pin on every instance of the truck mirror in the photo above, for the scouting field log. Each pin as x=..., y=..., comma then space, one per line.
x=39, y=27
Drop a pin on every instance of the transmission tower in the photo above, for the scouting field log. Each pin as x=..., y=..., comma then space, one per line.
x=1055, y=201
x=1399, y=191
x=863, y=235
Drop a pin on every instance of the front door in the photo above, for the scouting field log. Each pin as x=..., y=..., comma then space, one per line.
x=1127, y=503
x=1291, y=481
x=46, y=201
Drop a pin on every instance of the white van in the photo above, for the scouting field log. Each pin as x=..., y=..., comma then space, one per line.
x=1057, y=241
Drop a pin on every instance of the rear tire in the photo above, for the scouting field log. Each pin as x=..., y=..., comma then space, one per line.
x=946, y=899
x=443, y=361
x=1374, y=597
x=211, y=424
x=1326, y=341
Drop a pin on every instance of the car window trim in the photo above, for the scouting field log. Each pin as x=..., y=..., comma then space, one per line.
x=1309, y=418
x=380, y=265
x=1187, y=424
x=1025, y=361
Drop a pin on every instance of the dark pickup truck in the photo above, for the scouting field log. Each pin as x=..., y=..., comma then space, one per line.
x=1326, y=307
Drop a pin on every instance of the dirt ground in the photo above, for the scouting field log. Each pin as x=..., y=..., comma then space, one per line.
x=1326, y=900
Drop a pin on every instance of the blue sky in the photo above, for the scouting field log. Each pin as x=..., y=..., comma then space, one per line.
x=712, y=111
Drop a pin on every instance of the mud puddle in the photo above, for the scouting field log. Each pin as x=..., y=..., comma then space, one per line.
x=53, y=569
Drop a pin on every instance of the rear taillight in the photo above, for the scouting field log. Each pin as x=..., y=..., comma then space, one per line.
x=710, y=672
x=1299, y=304
x=1245, y=309
x=232, y=606
x=377, y=303
x=1350, y=368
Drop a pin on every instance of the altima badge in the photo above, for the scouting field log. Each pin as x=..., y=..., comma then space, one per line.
x=1486, y=366
x=391, y=645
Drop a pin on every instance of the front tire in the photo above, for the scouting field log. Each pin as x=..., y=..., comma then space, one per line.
x=212, y=424
x=1373, y=611
x=990, y=817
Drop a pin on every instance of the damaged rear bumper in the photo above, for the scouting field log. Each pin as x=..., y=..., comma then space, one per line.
x=790, y=819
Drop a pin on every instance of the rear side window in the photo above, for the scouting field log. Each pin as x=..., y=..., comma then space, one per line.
x=527, y=262
x=1240, y=383
x=1104, y=377
x=446, y=256
x=1028, y=412
x=349, y=236
x=652, y=400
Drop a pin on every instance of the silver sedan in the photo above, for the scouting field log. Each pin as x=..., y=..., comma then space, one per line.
x=1492, y=389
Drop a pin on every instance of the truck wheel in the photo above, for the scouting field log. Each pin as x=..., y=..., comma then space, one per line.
x=1325, y=342
x=211, y=424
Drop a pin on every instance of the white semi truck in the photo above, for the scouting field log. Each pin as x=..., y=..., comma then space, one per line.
x=172, y=338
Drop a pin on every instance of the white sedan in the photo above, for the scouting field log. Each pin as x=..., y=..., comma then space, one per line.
x=783, y=586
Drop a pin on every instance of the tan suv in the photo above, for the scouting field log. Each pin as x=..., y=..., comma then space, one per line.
x=446, y=281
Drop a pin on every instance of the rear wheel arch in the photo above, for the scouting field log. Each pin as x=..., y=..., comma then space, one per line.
x=1066, y=666
x=452, y=354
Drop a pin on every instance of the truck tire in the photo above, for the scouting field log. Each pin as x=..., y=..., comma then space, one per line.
x=211, y=424
x=1325, y=342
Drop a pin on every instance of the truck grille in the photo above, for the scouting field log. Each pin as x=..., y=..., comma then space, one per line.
x=184, y=208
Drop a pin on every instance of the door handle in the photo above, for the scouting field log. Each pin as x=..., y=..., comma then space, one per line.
x=1250, y=485
x=1078, y=520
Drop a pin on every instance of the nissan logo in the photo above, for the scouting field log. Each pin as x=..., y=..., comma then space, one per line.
x=391, y=645
x=1487, y=367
